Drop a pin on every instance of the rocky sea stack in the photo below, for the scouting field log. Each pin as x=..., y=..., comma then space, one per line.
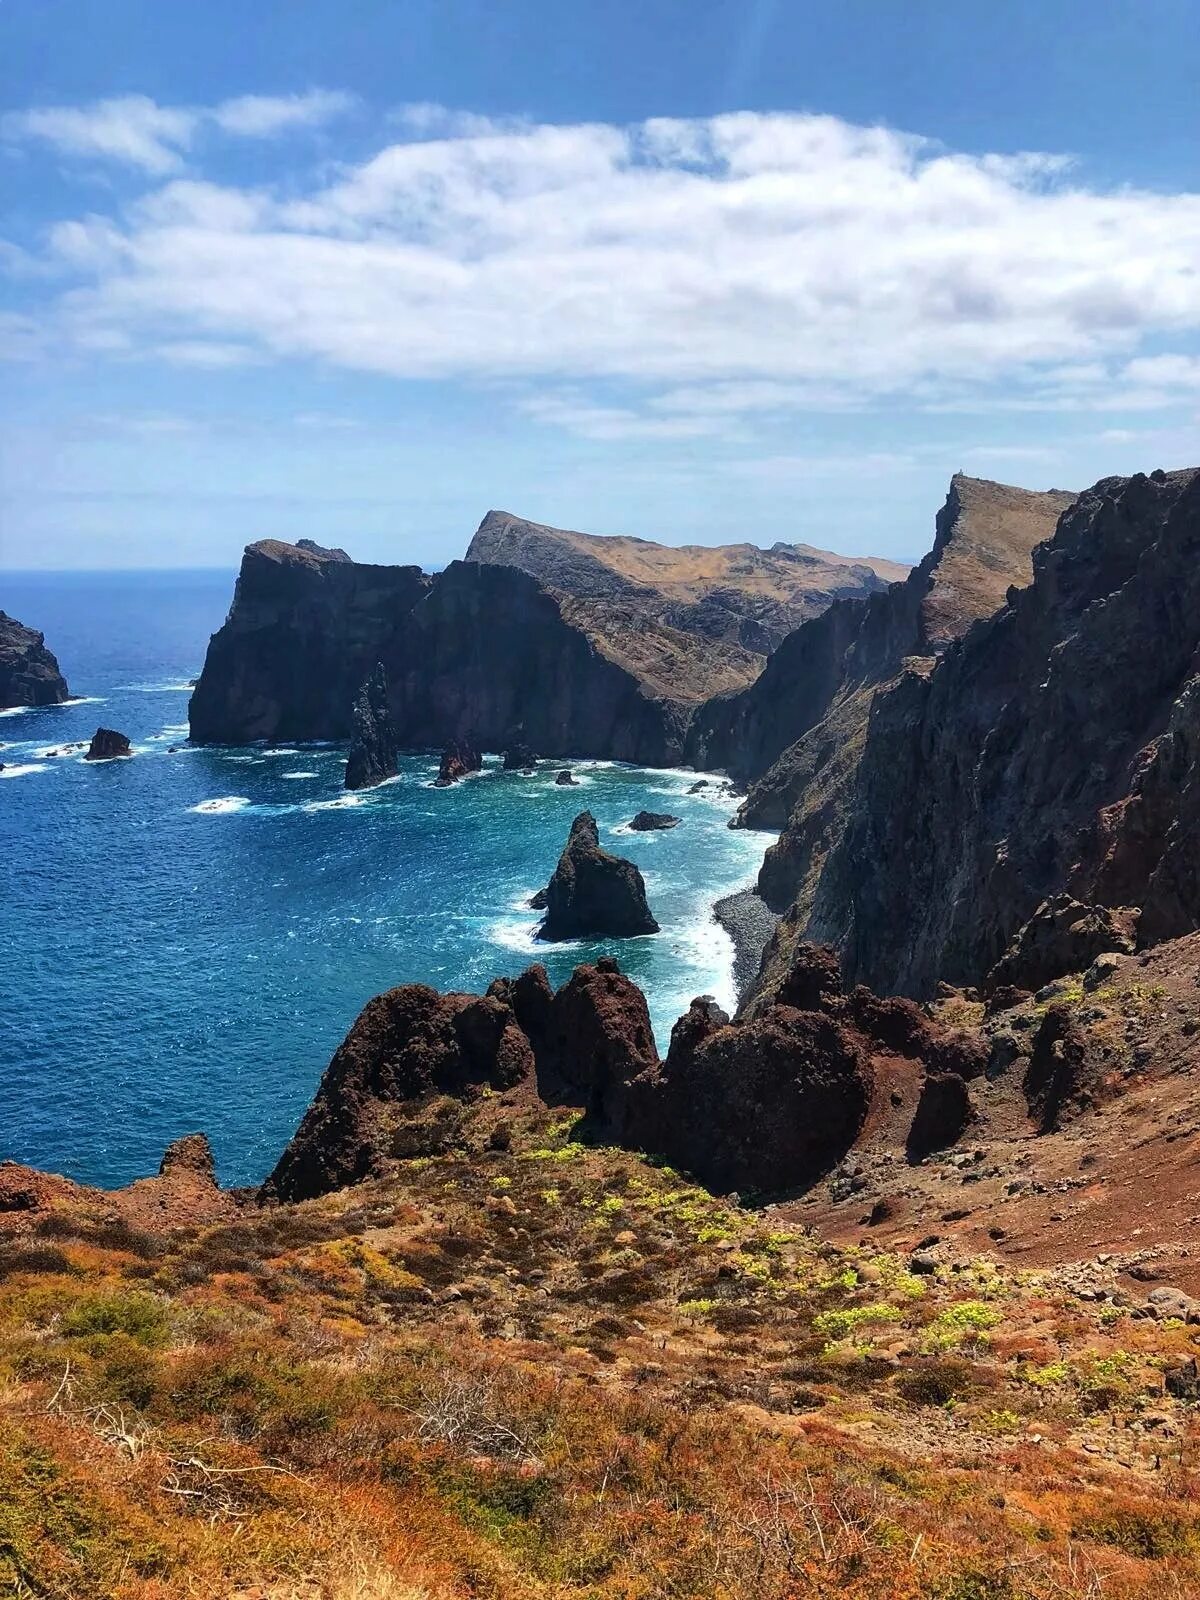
x=459, y=758
x=373, y=754
x=108, y=745
x=29, y=674
x=593, y=895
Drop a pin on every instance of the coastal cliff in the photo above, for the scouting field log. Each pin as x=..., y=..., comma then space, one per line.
x=29, y=673
x=797, y=733
x=305, y=630
x=1051, y=749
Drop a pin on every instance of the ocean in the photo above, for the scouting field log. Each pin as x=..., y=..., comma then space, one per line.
x=186, y=936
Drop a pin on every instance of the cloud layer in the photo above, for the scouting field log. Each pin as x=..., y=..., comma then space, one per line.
x=658, y=279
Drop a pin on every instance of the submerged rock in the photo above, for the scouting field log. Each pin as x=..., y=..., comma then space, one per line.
x=108, y=745
x=373, y=755
x=594, y=895
x=458, y=759
x=29, y=674
x=653, y=821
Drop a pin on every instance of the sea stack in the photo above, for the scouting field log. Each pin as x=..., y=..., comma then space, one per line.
x=519, y=756
x=593, y=895
x=372, y=756
x=458, y=759
x=29, y=674
x=108, y=745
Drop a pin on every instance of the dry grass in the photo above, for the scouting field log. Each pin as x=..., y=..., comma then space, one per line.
x=560, y=1372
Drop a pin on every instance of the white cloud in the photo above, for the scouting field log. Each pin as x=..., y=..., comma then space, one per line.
x=130, y=129
x=256, y=116
x=660, y=280
x=134, y=130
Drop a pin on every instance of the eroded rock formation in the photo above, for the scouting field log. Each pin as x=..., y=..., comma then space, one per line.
x=108, y=745
x=592, y=893
x=29, y=674
x=653, y=822
x=373, y=756
x=459, y=758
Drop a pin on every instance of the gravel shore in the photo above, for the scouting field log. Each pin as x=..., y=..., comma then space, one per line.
x=749, y=922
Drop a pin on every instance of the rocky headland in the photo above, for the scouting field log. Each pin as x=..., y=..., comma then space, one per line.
x=29, y=673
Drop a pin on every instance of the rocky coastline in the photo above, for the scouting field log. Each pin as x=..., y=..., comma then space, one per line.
x=749, y=922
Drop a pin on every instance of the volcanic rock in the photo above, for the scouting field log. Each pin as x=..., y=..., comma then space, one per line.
x=108, y=745
x=1063, y=936
x=519, y=757
x=593, y=894
x=566, y=779
x=458, y=759
x=942, y=1116
x=1060, y=1080
x=397, y=1085
x=29, y=674
x=652, y=821
x=595, y=1041
x=372, y=756
x=191, y=1154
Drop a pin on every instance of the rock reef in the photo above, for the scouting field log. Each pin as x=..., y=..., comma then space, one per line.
x=29, y=673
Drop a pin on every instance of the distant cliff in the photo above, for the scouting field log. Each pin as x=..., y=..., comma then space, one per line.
x=797, y=733
x=746, y=596
x=1053, y=748
x=29, y=674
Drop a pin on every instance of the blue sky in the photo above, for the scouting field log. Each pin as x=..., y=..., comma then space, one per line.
x=701, y=272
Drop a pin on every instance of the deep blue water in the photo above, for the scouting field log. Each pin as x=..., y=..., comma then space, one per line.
x=186, y=937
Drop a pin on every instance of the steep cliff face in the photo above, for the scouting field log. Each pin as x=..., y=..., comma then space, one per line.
x=1052, y=748
x=797, y=733
x=305, y=630
x=746, y=596
x=29, y=674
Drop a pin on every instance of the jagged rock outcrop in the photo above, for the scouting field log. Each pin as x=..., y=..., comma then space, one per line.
x=1049, y=751
x=397, y=1086
x=653, y=822
x=29, y=674
x=1062, y=936
x=593, y=894
x=459, y=758
x=595, y=1039
x=373, y=756
x=566, y=779
x=741, y=594
x=108, y=745
x=305, y=629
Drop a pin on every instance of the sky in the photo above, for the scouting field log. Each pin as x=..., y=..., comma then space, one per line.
x=701, y=271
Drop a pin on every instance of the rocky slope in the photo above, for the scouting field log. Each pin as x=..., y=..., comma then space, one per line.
x=29, y=674
x=1051, y=749
x=744, y=595
x=796, y=734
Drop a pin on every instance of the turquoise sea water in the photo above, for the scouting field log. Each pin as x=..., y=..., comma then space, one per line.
x=186, y=937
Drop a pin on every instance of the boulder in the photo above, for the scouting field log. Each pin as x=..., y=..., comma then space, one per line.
x=458, y=759
x=942, y=1115
x=594, y=895
x=653, y=821
x=373, y=755
x=1061, y=1079
x=1062, y=936
x=29, y=674
x=108, y=745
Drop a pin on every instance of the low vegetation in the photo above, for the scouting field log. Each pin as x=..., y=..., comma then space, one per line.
x=556, y=1371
